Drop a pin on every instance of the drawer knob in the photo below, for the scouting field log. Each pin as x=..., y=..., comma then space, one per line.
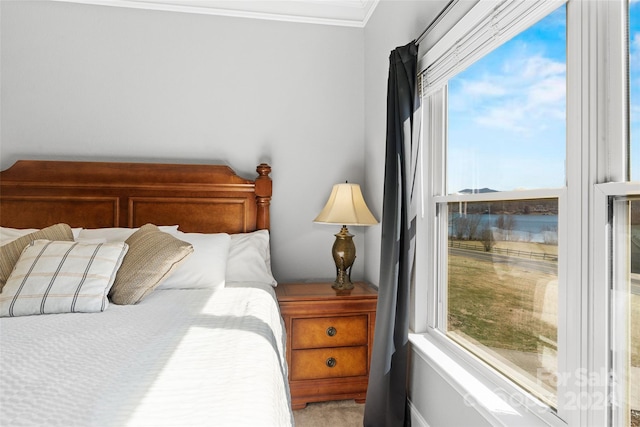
x=331, y=362
x=331, y=331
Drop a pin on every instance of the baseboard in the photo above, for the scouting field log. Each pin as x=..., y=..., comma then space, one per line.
x=416, y=417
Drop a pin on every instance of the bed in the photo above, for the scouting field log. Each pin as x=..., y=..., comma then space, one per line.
x=202, y=344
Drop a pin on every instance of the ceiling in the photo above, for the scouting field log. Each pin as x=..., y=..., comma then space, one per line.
x=351, y=13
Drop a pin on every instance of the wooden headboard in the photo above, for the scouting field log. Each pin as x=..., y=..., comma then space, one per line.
x=199, y=198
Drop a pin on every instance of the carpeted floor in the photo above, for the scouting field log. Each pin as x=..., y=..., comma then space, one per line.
x=341, y=413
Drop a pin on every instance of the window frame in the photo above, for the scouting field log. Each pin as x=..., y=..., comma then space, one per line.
x=597, y=134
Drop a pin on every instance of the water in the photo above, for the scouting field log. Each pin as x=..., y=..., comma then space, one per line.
x=527, y=228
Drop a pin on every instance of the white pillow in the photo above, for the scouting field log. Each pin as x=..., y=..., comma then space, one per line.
x=250, y=258
x=207, y=265
x=114, y=234
x=8, y=234
x=61, y=277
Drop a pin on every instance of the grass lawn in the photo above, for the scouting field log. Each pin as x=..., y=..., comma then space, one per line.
x=512, y=310
x=512, y=313
x=500, y=307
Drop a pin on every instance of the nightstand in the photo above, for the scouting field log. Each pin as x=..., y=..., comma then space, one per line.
x=329, y=340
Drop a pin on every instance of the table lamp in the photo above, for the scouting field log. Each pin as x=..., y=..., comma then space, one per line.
x=345, y=206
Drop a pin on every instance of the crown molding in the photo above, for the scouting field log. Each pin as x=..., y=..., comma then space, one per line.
x=347, y=13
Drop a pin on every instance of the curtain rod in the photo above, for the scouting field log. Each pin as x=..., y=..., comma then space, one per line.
x=437, y=19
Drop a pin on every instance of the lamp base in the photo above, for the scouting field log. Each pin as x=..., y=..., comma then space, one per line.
x=344, y=255
x=345, y=285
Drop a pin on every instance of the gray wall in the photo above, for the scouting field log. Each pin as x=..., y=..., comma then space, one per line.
x=104, y=83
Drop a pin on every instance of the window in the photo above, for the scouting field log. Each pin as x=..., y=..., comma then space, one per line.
x=531, y=225
x=623, y=250
x=633, y=230
x=623, y=203
x=506, y=138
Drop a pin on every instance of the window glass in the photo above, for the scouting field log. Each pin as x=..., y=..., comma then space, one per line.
x=502, y=282
x=506, y=131
x=634, y=87
x=507, y=114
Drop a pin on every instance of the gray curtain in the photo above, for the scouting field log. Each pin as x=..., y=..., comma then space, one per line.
x=386, y=403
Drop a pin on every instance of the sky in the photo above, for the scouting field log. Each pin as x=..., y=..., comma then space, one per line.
x=507, y=112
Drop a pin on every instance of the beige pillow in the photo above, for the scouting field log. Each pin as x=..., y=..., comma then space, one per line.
x=10, y=252
x=153, y=255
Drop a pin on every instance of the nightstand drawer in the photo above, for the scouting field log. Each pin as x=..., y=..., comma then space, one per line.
x=320, y=332
x=328, y=363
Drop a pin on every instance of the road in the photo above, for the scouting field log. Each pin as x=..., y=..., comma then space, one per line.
x=548, y=267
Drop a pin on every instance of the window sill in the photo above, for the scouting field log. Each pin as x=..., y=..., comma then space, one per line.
x=492, y=401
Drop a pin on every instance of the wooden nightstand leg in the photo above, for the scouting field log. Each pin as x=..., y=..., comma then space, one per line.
x=296, y=406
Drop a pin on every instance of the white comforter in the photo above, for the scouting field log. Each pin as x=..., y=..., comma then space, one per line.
x=179, y=358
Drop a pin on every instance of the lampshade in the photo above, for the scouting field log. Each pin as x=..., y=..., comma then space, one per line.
x=346, y=206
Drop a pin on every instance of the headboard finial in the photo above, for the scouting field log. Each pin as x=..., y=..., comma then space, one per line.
x=263, y=195
x=263, y=169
